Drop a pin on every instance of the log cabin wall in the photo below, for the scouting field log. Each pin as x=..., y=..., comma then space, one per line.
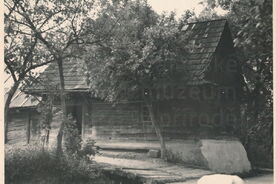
x=180, y=119
x=23, y=126
x=121, y=121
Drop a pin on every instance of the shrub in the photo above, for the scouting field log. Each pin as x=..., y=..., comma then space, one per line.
x=72, y=137
x=173, y=157
x=73, y=144
x=31, y=162
x=88, y=148
x=21, y=163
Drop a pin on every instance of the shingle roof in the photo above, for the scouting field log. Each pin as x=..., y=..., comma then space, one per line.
x=21, y=100
x=74, y=77
x=206, y=35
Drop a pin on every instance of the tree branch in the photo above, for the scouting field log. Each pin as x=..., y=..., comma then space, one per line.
x=48, y=18
x=38, y=65
x=37, y=33
x=11, y=9
x=11, y=70
x=28, y=56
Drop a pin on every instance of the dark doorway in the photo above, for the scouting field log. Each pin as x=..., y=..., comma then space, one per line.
x=76, y=112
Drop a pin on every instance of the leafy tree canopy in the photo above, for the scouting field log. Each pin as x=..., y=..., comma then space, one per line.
x=141, y=52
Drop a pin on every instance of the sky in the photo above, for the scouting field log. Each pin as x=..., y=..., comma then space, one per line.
x=179, y=6
x=176, y=5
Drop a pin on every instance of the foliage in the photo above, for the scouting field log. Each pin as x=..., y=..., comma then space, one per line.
x=88, y=148
x=259, y=140
x=173, y=157
x=46, y=115
x=141, y=52
x=30, y=163
x=72, y=137
x=251, y=25
x=73, y=143
x=45, y=109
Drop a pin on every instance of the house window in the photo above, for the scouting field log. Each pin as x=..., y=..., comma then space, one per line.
x=145, y=114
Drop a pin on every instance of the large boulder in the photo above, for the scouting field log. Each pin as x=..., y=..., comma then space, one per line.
x=225, y=156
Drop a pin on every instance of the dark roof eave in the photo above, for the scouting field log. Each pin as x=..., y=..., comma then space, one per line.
x=42, y=91
x=24, y=107
x=204, y=21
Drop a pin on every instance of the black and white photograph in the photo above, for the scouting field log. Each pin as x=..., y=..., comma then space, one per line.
x=137, y=92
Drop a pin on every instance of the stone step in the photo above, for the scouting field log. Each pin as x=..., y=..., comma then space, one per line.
x=124, y=149
x=123, y=154
x=128, y=147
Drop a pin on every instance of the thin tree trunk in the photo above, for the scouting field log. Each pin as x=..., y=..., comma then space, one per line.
x=157, y=127
x=28, y=133
x=63, y=107
x=7, y=108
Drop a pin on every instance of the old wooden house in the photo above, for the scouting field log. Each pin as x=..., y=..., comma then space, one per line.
x=23, y=118
x=208, y=103
x=207, y=107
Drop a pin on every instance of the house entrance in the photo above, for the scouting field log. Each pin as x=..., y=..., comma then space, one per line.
x=76, y=112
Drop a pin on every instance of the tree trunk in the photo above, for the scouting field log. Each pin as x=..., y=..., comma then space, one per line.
x=28, y=132
x=153, y=111
x=63, y=106
x=7, y=108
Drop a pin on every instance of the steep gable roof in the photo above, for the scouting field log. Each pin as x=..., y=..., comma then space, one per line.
x=206, y=35
x=74, y=77
x=21, y=100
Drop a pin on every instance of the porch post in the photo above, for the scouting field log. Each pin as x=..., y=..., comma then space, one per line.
x=28, y=133
x=84, y=120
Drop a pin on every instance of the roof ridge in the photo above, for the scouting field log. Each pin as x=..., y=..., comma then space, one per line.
x=213, y=20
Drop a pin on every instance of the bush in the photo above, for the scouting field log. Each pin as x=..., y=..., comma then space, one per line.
x=257, y=138
x=31, y=162
x=260, y=144
x=72, y=137
x=88, y=148
x=23, y=163
x=173, y=157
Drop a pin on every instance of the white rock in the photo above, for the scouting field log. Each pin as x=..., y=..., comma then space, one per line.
x=225, y=156
x=220, y=179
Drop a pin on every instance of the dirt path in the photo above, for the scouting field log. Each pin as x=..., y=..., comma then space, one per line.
x=149, y=172
x=162, y=172
x=264, y=179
